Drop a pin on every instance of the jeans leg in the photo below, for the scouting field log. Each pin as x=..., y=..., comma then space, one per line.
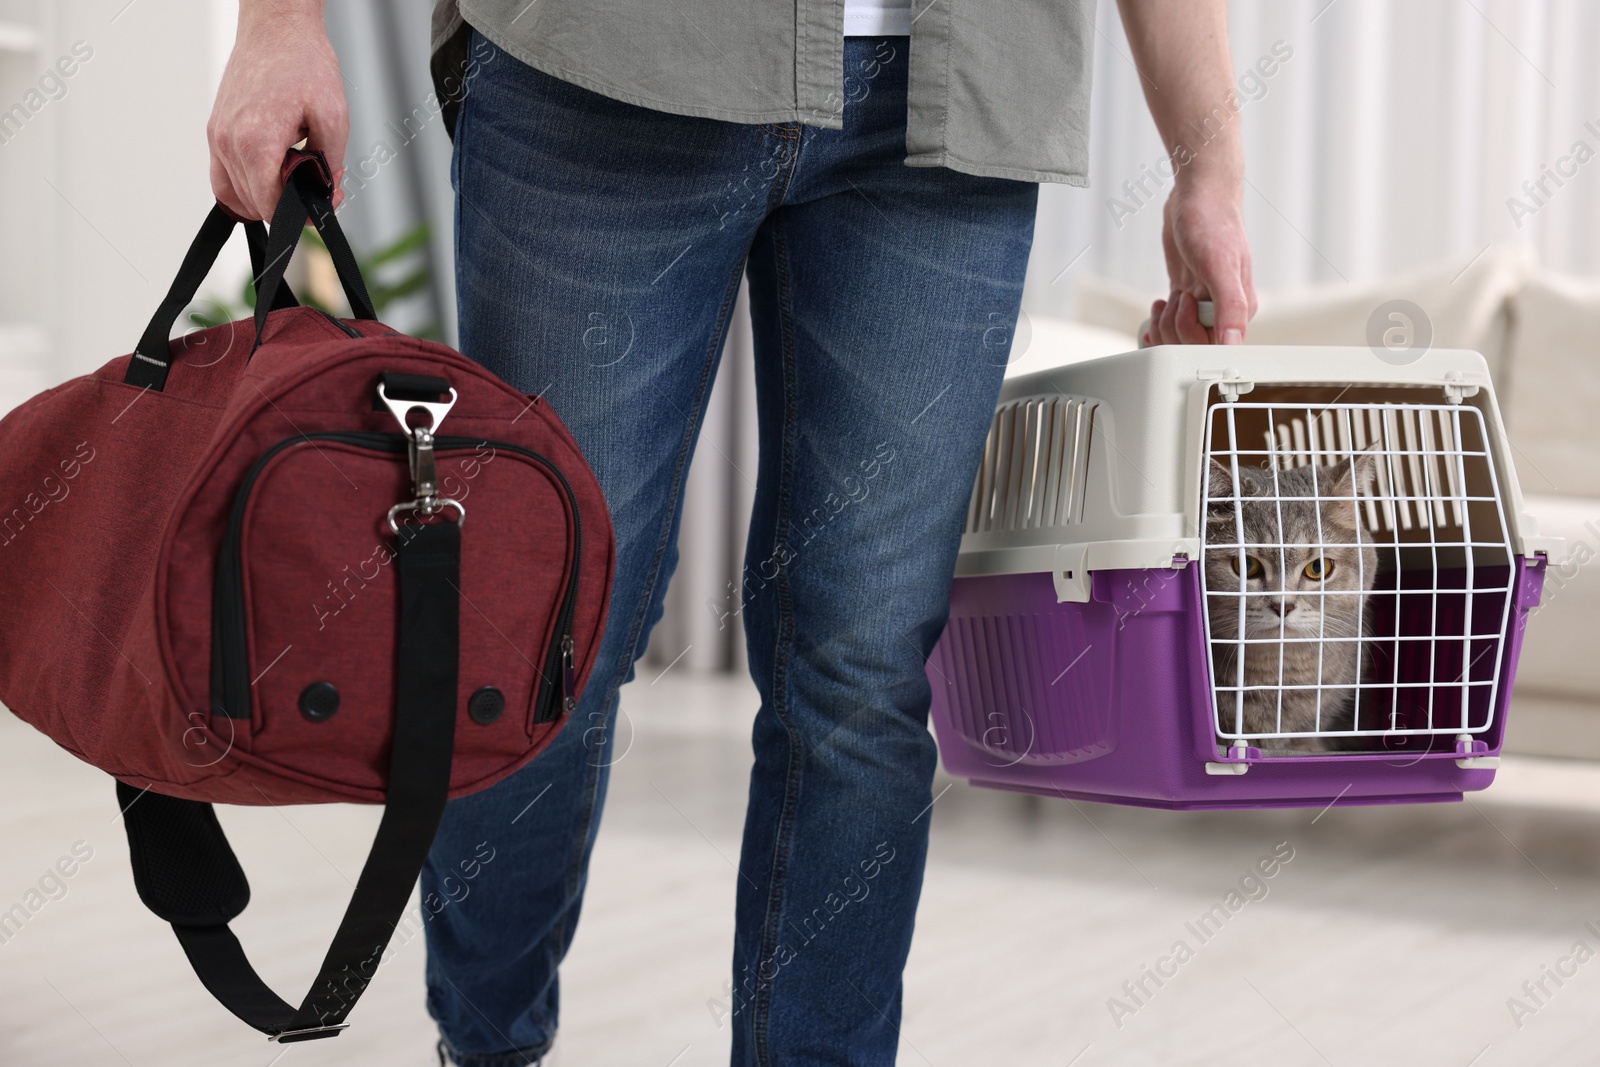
x=598, y=259
x=883, y=298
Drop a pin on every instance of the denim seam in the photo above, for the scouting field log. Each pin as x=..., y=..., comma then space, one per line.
x=458, y=150
x=780, y=187
x=580, y=846
x=691, y=431
x=458, y=153
x=761, y=1010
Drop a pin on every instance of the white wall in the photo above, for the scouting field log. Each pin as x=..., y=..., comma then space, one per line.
x=104, y=185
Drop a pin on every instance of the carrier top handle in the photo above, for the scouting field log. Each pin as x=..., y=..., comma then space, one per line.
x=152, y=357
x=308, y=193
x=187, y=874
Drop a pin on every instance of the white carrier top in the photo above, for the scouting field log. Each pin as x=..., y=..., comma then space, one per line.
x=1098, y=465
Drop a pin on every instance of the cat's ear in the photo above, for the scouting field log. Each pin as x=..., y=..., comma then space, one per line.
x=1219, y=486
x=1365, y=469
x=1348, y=478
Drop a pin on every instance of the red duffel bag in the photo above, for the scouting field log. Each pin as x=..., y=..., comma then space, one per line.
x=293, y=560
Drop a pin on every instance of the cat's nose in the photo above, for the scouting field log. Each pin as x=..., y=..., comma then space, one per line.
x=1281, y=607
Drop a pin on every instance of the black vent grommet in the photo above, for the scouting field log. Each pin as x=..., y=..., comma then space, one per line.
x=318, y=701
x=485, y=706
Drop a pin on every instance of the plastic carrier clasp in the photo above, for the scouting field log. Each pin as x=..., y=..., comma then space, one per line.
x=1470, y=759
x=1231, y=384
x=1240, y=751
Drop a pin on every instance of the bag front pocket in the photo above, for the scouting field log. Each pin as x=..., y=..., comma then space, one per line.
x=306, y=601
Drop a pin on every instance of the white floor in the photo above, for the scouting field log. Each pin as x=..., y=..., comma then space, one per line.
x=1393, y=936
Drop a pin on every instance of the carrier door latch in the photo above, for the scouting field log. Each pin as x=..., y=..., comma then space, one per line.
x=1456, y=388
x=1230, y=383
x=1240, y=751
x=1071, y=574
x=1469, y=762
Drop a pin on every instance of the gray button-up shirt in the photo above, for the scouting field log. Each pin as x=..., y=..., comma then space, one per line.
x=996, y=87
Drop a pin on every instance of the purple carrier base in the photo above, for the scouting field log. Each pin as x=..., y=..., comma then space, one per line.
x=1109, y=701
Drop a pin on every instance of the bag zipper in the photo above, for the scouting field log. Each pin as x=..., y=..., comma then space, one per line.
x=563, y=701
x=346, y=327
x=230, y=686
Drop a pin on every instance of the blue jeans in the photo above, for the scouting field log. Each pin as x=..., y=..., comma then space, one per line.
x=599, y=250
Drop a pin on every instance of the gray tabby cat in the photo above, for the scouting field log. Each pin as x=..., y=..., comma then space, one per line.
x=1283, y=573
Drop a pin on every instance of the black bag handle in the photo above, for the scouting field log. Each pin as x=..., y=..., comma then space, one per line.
x=152, y=356
x=187, y=874
x=308, y=193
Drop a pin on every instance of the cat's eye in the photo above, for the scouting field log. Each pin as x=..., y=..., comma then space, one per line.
x=1252, y=566
x=1318, y=569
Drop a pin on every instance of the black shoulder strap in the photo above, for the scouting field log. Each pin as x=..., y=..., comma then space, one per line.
x=187, y=874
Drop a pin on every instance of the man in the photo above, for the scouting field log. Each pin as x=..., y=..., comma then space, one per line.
x=619, y=166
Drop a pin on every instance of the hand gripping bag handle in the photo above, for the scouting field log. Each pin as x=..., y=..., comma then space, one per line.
x=187, y=874
x=307, y=193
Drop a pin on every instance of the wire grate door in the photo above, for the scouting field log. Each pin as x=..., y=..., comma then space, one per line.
x=1357, y=575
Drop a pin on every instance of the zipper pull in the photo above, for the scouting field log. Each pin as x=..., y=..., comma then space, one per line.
x=569, y=676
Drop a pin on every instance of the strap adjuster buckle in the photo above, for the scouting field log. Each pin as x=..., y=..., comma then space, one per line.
x=310, y=1033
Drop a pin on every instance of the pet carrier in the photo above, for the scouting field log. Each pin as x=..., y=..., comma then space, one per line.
x=1195, y=577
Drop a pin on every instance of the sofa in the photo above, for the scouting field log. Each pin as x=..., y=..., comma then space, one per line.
x=1539, y=332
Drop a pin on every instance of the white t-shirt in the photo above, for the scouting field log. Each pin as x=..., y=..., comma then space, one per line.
x=877, y=18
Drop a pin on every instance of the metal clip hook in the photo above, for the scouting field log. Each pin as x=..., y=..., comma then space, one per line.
x=436, y=410
x=424, y=474
x=426, y=507
x=419, y=452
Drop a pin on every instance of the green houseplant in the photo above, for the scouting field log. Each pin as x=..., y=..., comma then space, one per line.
x=394, y=272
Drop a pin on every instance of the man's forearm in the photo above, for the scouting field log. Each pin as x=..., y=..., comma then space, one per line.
x=282, y=16
x=281, y=86
x=1181, y=48
x=289, y=9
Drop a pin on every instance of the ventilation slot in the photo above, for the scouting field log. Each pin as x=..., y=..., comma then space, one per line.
x=1034, y=465
x=1420, y=469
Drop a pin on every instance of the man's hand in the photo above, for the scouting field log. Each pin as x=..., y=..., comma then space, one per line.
x=1181, y=48
x=1208, y=258
x=281, y=86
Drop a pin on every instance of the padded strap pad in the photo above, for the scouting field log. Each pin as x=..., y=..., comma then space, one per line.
x=183, y=867
x=187, y=874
